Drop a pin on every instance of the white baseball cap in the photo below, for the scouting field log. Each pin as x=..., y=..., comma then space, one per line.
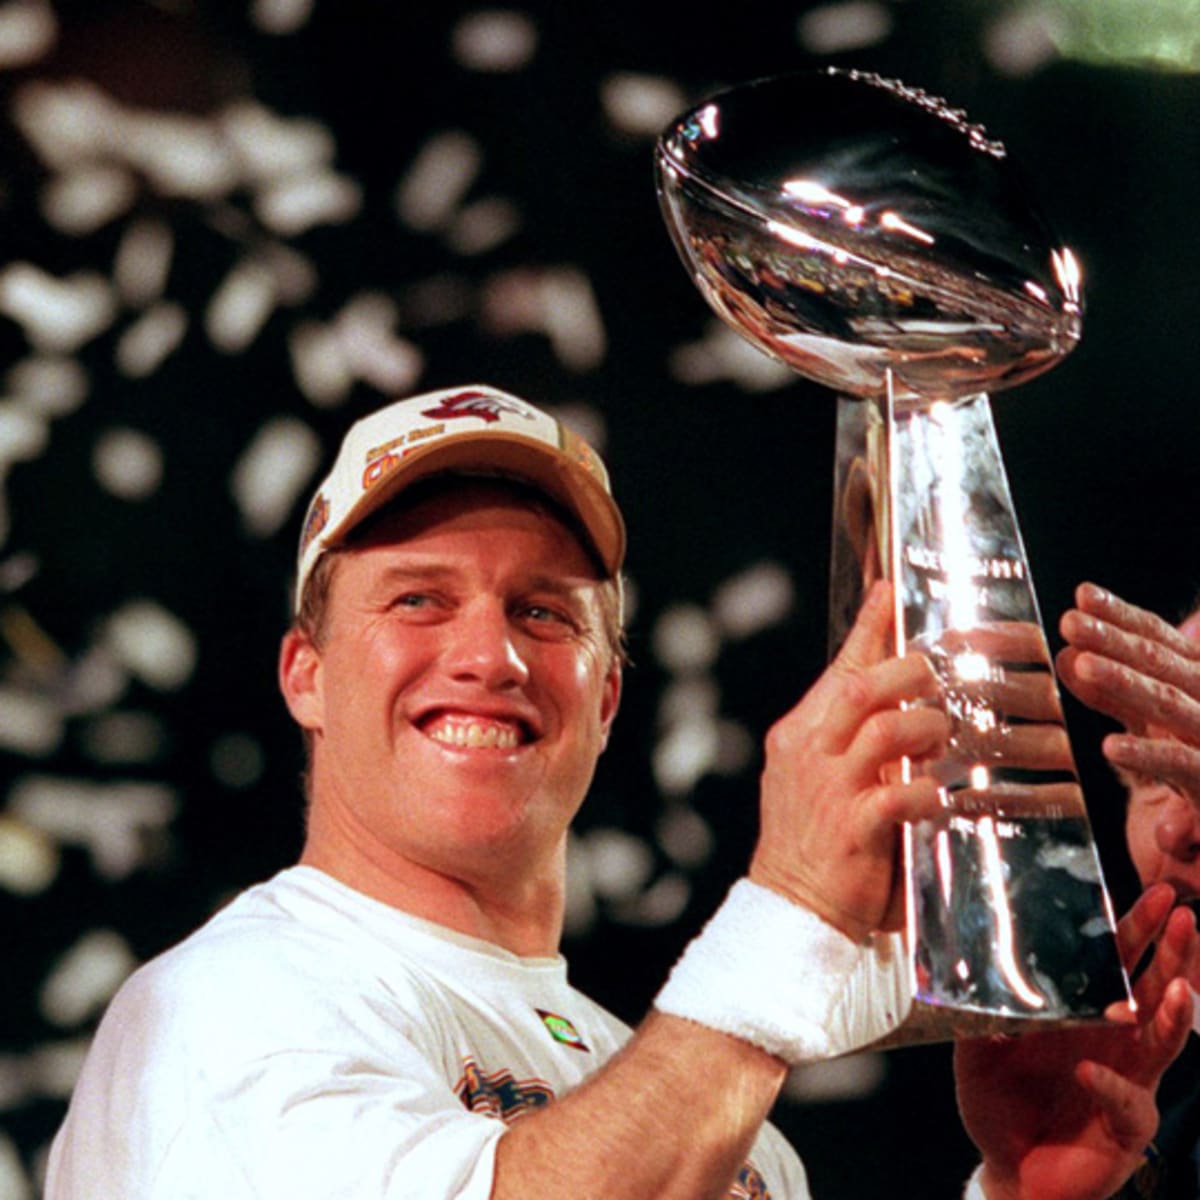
x=474, y=430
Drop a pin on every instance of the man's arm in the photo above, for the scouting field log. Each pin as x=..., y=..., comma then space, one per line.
x=674, y=1115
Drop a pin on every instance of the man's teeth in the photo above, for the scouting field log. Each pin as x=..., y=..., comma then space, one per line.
x=475, y=734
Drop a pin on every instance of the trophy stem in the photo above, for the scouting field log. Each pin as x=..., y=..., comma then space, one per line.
x=1009, y=925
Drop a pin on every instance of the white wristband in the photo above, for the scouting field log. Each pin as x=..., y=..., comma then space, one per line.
x=764, y=970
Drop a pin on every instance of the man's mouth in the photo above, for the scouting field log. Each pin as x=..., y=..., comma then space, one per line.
x=475, y=733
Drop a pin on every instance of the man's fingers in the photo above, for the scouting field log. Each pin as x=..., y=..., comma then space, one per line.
x=1129, y=695
x=1174, y=763
x=914, y=733
x=1174, y=955
x=844, y=698
x=1129, y=1109
x=1107, y=628
x=1143, y=922
x=870, y=637
x=884, y=809
x=1095, y=601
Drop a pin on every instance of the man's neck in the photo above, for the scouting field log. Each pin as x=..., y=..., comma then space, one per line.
x=522, y=915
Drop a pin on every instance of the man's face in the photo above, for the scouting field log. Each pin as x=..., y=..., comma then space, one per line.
x=463, y=688
x=1162, y=825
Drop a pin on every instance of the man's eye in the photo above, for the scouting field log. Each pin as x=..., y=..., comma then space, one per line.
x=413, y=600
x=543, y=614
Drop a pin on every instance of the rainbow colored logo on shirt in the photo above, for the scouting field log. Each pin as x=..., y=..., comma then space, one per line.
x=561, y=1030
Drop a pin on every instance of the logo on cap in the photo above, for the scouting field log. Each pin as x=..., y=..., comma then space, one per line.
x=485, y=405
x=318, y=517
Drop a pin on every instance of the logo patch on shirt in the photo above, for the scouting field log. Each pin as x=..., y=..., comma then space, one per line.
x=749, y=1185
x=561, y=1030
x=498, y=1094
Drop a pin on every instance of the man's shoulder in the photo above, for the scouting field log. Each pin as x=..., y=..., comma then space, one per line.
x=272, y=958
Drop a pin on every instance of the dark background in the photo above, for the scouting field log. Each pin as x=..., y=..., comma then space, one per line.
x=717, y=478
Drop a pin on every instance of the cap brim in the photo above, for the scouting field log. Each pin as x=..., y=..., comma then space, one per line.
x=510, y=456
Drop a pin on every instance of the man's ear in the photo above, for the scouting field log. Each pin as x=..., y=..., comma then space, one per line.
x=610, y=700
x=301, y=679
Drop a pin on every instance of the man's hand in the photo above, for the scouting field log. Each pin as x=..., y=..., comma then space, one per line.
x=1131, y=665
x=1067, y=1115
x=829, y=823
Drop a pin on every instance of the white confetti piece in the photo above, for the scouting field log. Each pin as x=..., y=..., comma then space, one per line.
x=65, y=123
x=319, y=365
x=111, y=821
x=300, y=202
x=57, y=315
x=143, y=261
x=86, y=978
x=127, y=463
x=835, y=28
x=273, y=472
x=684, y=755
x=150, y=340
x=373, y=351
x=269, y=146
x=123, y=738
x=685, y=836
x=641, y=105
x=848, y=1078
x=180, y=155
x=483, y=226
x=726, y=355
x=48, y=385
x=685, y=638
x=754, y=600
x=495, y=40
x=558, y=303
x=619, y=863
x=660, y=904
x=241, y=306
x=29, y=859
x=281, y=17
x=152, y=644
x=88, y=197
x=1022, y=40
x=438, y=179
x=28, y=32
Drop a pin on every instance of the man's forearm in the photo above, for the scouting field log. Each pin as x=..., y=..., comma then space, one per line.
x=672, y=1117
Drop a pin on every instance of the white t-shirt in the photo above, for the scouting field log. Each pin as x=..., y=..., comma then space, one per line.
x=312, y=1042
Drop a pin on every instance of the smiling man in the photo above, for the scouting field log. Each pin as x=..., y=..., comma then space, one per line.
x=391, y=1017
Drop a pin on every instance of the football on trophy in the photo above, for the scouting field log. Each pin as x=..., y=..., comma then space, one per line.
x=859, y=230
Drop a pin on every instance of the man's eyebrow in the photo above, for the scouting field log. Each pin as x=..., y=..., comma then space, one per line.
x=562, y=584
x=432, y=572
x=416, y=572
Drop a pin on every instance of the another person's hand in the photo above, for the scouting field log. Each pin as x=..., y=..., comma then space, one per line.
x=829, y=822
x=1133, y=666
x=1067, y=1115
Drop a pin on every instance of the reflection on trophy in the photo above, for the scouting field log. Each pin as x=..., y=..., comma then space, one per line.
x=877, y=242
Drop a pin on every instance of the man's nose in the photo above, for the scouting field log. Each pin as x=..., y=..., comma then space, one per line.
x=1177, y=829
x=483, y=648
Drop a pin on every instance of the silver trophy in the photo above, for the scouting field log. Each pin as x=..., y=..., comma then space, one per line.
x=874, y=240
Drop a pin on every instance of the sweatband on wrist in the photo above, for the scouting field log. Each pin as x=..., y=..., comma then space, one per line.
x=764, y=970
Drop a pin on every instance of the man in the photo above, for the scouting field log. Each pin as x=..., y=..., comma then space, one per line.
x=391, y=1018
x=1133, y=666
